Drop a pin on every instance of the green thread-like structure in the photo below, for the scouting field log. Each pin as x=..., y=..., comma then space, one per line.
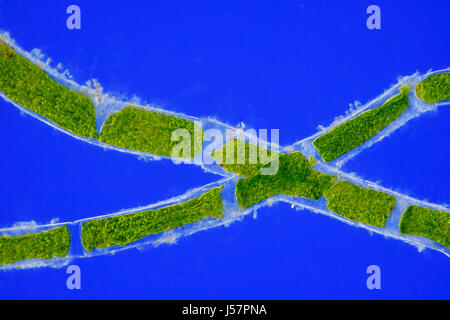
x=28, y=85
x=358, y=130
x=135, y=128
x=249, y=167
x=360, y=204
x=428, y=223
x=435, y=88
x=143, y=130
x=294, y=177
x=127, y=228
x=42, y=245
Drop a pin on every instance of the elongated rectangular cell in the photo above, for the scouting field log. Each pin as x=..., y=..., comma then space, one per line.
x=435, y=88
x=124, y=229
x=250, y=154
x=43, y=245
x=28, y=85
x=428, y=223
x=294, y=177
x=358, y=130
x=148, y=131
x=360, y=204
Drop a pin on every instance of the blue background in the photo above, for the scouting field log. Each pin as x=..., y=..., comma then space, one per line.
x=290, y=65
